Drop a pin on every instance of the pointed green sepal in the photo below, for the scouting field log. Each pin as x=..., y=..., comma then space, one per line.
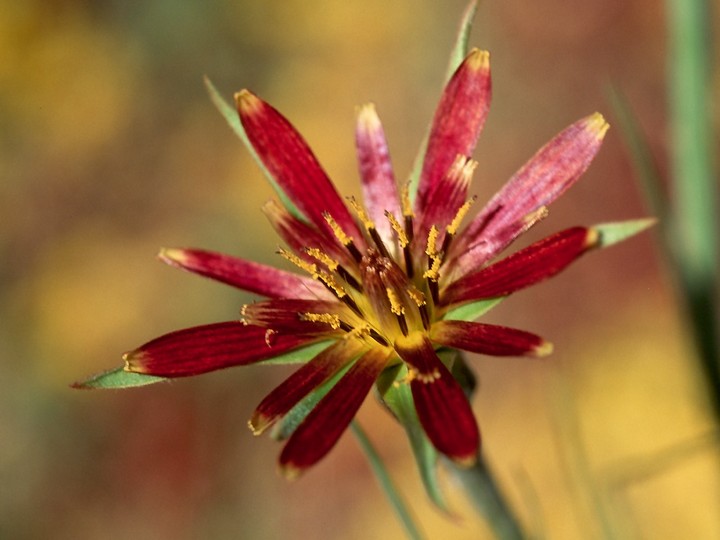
x=612, y=233
x=473, y=310
x=117, y=378
x=285, y=427
x=298, y=356
x=233, y=119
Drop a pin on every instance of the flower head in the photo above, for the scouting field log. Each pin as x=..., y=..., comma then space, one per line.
x=384, y=282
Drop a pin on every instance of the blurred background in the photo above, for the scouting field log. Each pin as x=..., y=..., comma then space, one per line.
x=110, y=149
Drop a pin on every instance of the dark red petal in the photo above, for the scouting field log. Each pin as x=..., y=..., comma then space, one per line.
x=546, y=176
x=200, y=349
x=447, y=196
x=526, y=267
x=322, y=428
x=302, y=382
x=290, y=315
x=300, y=235
x=246, y=275
x=442, y=407
x=379, y=189
x=489, y=339
x=458, y=121
x=293, y=165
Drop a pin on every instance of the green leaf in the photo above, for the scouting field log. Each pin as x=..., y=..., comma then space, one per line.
x=285, y=427
x=233, y=119
x=398, y=398
x=612, y=233
x=117, y=378
x=473, y=310
x=458, y=54
x=298, y=356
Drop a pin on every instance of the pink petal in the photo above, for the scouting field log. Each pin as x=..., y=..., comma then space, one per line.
x=378, y=181
x=489, y=339
x=526, y=267
x=246, y=275
x=442, y=407
x=201, y=349
x=459, y=118
x=302, y=382
x=322, y=428
x=548, y=174
x=293, y=165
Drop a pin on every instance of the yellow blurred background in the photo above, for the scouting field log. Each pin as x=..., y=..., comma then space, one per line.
x=110, y=149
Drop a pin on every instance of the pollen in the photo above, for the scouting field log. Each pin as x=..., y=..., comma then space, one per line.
x=331, y=284
x=405, y=200
x=433, y=273
x=323, y=258
x=399, y=231
x=417, y=296
x=342, y=237
x=431, y=249
x=460, y=215
x=395, y=305
x=361, y=214
x=327, y=318
x=310, y=268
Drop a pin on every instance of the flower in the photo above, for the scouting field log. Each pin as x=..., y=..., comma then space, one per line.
x=385, y=282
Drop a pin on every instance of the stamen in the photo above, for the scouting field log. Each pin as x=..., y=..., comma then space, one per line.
x=327, y=318
x=431, y=249
x=334, y=266
x=310, y=268
x=432, y=275
x=419, y=299
x=397, y=308
x=369, y=225
x=407, y=210
x=452, y=229
x=342, y=237
x=403, y=241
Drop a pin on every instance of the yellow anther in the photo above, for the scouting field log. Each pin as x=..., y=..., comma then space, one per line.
x=361, y=214
x=330, y=282
x=310, y=268
x=399, y=231
x=327, y=318
x=395, y=305
x=323, y=258
x=433, y=273
x=337, y=230
x=417, y=296
x=405, y=200
x=431, y=249
x=459, y=216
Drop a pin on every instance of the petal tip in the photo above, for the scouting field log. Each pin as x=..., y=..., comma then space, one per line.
x=545, y=348
x=257, y=424
x=247, y=102
x=478, y=60
x=172, y=256
x=290, y=471
x=466, y=461
x=597, y=125
x=367, y=117
x=133, y=361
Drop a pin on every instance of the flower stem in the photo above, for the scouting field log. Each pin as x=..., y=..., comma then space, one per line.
x=378, y=467
x=485, y=494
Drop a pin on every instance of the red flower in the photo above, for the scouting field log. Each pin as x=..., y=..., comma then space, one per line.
x=388, y=282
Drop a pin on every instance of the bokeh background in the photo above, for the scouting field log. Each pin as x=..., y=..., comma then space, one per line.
x=110, y=148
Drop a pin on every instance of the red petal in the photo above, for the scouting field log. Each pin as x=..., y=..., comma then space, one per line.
x=322, y=428
x=285, y=315
x=447, y=196
x=378, y=181
x=299, y=235
x=546, y=176
x=528, y=266
x=458, y=121
x=441, y=405
x=489, y=339
x=293, y=165
x=200, y=349
x=246, y=275
x=302, y=382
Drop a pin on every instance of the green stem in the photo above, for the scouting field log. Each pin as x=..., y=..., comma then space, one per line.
x=381, y=473
x=695, y=227
x=485, y=494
